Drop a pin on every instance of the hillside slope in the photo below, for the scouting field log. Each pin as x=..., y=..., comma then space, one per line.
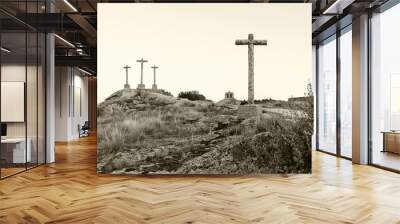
x=147, y=132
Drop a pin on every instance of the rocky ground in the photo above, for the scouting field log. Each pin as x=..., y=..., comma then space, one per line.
x=147, y=132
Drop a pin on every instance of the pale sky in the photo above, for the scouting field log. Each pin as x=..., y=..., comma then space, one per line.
x=194, y=47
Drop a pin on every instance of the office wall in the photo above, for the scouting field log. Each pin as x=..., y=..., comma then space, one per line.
x=81, y=98
x=71, y=102
x=16, y=72
x=62, y=105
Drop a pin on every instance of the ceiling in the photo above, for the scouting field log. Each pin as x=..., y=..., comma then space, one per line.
x=75, y=21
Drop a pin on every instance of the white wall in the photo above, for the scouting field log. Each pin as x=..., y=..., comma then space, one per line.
x=62, y=81
x=71, y=87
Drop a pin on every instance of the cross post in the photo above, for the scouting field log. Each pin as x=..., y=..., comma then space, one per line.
x=126, y=67
x=154, y=87
x=141, y=61
x=250, y=42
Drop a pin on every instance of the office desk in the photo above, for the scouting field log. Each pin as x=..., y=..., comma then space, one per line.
x=391, y=141
x=13, y=150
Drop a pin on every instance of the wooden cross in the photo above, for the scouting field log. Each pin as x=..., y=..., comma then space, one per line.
x=126, y=67
x=250, y=42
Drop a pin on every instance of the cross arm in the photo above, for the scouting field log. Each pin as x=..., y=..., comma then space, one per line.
x=242, y=42
x=260, y=42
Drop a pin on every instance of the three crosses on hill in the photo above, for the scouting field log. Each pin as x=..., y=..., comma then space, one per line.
x=141, y=85
x=250, y=42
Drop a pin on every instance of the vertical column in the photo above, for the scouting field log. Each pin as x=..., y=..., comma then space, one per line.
x=360, y=103
x=50, y=92
x=50, y=98
x=314, y=90
x=338, y=99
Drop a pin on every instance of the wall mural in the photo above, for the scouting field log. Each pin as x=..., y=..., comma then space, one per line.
x=204, y=89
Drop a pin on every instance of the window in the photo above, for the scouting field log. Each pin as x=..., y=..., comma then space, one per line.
x=385, y=89
x=327, y=96
x=394, y=102
x=346, y=93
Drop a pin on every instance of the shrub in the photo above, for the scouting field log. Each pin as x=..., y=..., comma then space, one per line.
x=164, y=92
x=278, y=145
x=191, y=95
x=243, y=102
x=263, y=101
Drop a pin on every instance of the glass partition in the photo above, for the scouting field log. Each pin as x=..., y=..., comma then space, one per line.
x=13, y=95
x=22, y=77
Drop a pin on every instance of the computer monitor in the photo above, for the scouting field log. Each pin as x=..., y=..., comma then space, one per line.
x=3, y=129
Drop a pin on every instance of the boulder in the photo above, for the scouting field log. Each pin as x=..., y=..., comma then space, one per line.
x=248, y=110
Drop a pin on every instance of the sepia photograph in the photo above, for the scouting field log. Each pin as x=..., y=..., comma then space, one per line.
x=204, y=89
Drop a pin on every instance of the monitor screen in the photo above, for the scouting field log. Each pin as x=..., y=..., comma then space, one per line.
x=3, y=129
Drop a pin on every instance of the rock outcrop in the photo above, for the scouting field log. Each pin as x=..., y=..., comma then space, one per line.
x=144, y=132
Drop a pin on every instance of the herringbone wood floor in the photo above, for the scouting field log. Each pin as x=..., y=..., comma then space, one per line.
x=70, y=191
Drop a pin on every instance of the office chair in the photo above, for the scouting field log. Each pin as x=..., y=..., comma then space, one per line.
x=84, y=130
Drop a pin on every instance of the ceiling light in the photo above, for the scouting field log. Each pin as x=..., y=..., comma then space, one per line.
x=70, y=5
x=337, y=7
x=5, y=50
x=84, y=71
x=64, y=40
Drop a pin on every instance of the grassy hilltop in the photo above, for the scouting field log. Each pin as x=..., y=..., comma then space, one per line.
x=148, y=132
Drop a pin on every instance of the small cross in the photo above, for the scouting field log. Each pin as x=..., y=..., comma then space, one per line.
x=141, y=61
x=154, y=73
x=126, y=67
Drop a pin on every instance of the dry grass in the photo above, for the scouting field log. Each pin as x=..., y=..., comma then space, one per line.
x=118, y=134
